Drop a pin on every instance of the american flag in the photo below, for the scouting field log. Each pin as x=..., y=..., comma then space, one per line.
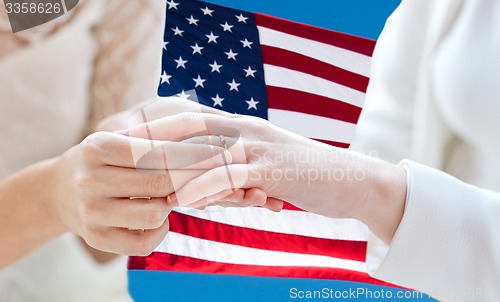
x=305, y=79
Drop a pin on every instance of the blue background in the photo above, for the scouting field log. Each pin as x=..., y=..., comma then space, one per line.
x=364, y=18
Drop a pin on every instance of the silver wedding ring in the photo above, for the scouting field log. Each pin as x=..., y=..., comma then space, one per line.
x=223, y=144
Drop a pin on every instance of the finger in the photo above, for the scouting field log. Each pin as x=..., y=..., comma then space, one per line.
x=118, y=150
x=227, y=198
x=273, y=204
x=248, y=197
x=255, y=196
x=198, y=205
x=183, y=156
x=193, y=124
x=222, y=141
x=229, y=204
x=228, y=195
x=137, y=213
x=127, y=242
x=234, y=145
x=169, y=106
x=242, y=198
x=123, y=182
x=213, y=182
x=201, y=204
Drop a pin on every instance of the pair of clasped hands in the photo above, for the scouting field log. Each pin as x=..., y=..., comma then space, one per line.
x=119, y=186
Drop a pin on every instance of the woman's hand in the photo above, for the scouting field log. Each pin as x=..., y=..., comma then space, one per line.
x=87, y=190
x=112, y=190
x=313, y=176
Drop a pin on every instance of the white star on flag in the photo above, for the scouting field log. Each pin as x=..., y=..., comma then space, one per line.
x=199, y=82
x=165, y=78
x=181, y=63
x=172, y=4
x=246, y=43
x=212, y=38
x=183, y=95
x=196, y=48
x=233, y=85
x=250, y=72
x=215, y=67
x=252, y=104
x=165, y=45
x=207, y=11
x=227, y=27
x=192, y=20
x=242, y=18
x=177, y=31
x=231, y=55
x=217, y=100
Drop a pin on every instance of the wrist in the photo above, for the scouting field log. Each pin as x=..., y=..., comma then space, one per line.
x=27, y=219
x=382, y=207
x=51, y=201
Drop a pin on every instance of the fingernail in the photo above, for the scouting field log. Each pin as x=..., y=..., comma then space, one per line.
x=172, y=200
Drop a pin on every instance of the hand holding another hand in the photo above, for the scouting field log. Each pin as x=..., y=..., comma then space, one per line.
x=114, y=190
x=264, y=157
x=117, y=204
x=117, y=189
x=316, y=177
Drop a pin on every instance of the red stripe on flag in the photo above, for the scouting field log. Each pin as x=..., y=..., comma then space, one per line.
x=266, y=240
x=341, y=40
x=303, y=102
x=331, y=143
x=291, y=207
x=291, y=60
x=168, y=262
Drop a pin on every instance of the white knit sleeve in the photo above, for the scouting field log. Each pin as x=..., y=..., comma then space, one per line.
x=447, y=243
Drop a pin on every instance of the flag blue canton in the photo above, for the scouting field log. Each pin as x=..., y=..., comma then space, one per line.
x=215, y=51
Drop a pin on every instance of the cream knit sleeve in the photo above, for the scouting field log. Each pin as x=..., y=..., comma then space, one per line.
x=127, y=66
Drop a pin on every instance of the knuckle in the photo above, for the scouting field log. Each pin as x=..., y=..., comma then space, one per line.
x=154, y=218
x=188, y=117
x=204, y=140
x=84, y=181
x=96, y=138
x=159, y=185
x=144, y=246
x=250, y=119
x=258, y=126
x=94, y=145
x=90, y=150
x=88, y=233
x=90, y=210
x=239, y=195
x=93, y=242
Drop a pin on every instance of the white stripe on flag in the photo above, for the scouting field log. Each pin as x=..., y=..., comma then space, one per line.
x=183, y=245
x=313, y=126
x=296, y=80
x=340, y=57
x=286, y=222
